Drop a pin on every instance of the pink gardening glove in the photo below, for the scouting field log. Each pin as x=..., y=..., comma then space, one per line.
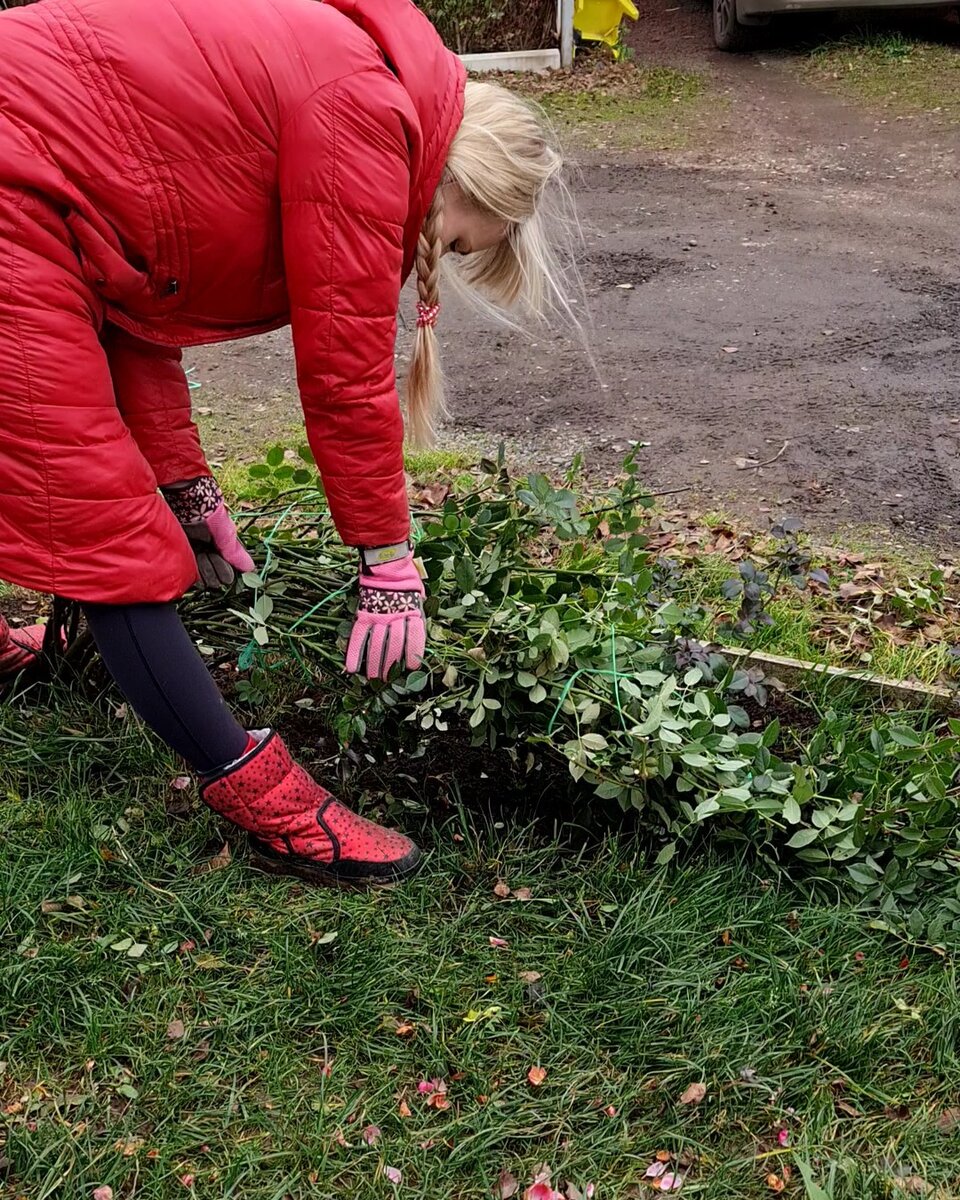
x=389, y=626
x=198, y=506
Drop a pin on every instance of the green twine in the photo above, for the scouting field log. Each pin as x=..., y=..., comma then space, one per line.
x=250, y=652
x=614, y=674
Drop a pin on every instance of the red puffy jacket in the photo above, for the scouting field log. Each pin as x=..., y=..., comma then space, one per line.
x=182, y=171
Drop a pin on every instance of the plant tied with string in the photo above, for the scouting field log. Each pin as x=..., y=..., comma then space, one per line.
x=556, y=633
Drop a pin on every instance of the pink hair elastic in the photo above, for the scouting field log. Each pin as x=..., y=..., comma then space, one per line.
x=427, y=315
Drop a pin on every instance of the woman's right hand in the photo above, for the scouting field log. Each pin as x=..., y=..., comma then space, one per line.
x=389, y=627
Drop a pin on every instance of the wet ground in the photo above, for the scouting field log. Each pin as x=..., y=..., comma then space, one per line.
x=786, y=288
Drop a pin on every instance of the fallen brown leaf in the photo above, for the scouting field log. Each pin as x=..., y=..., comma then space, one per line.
x=694, y=1094
x=501, y=889
x=505, y=1187
x=405, y=1110
x=175, y=1031
x=529, y=977
x=949, y=1121
x=522, y=894
x=847, y=1109
x=221, y=859
x=914, y=1185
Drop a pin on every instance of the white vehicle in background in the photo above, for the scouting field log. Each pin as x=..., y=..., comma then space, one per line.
x=735, y=22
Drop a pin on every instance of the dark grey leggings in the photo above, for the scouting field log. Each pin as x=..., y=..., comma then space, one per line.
x=160, y=672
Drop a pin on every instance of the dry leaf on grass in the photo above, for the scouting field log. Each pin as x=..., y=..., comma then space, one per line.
x=949, y=1121
x=221, y=859
x=175, y=1031
x=506, y=1186
x=529, y=977
x=501, y=889
x=694, y=1094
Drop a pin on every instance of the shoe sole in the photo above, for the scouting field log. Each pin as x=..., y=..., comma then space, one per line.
x=322, y=875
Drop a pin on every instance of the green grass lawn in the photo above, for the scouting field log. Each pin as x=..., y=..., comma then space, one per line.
x=892, y=70
x=623, y=105
x=173, y=1032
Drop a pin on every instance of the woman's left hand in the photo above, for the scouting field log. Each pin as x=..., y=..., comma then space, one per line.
x=199, y=507
x=389, y=626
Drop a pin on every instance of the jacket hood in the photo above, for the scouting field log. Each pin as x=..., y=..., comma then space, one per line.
x=432, y=76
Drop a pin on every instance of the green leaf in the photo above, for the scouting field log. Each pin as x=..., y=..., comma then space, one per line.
x=594, y=741
x=258, y=471
x=650, y=678
x=476, y=717
x=791, y=811
x=904, y=737
x=861, y=874
x=465, y=575
x=538, y=694
x=416, y=681
x=137, y=950
x=274, y=456
x=306, y=454
x=263, y=607
x=301, y=477
x=607, y=790
x=127, y=1090
x=803, y=838
x=813, y=1189
x=666, y=854
x=707, y=808
x=526, y=680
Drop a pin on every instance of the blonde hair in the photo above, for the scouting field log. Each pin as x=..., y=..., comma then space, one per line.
x=506, y=163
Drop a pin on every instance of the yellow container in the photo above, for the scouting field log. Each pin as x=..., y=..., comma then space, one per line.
x=599, y=20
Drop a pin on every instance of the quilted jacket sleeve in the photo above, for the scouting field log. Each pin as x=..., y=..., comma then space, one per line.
x=344, y=189
x=154, y=399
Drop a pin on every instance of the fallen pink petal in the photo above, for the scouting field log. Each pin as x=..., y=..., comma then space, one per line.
x=671, y=1182
x=426, y=1086
x=655, y=1170
x=393, y=1175
x=499, y=943
x=103, y=1193
x=371, y=1135
x=590, y=1191
x=783, y=1137
x=180, y=782
x=541, y=1190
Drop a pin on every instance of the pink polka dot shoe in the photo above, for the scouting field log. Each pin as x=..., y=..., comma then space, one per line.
x=19, y=648
x=297, y=828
